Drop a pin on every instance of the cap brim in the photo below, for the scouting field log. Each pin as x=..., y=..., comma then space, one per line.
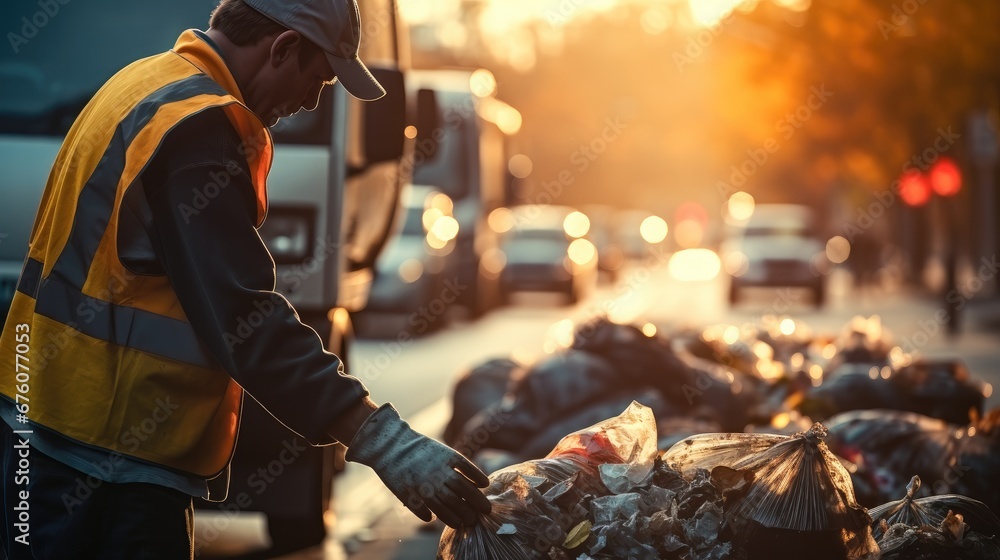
x=355, y=77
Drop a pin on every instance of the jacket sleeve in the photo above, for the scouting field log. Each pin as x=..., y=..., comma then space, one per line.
x=203, y=210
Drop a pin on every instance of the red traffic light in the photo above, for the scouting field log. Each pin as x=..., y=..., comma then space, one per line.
x=914, y=188
x=946, y=178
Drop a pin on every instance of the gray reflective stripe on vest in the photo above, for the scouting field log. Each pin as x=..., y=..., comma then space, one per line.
x=59, y=296
x=31, y=274
x=121, y=325
x=97, y=198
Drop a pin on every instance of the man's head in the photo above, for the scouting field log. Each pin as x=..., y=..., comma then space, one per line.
x=283, y=53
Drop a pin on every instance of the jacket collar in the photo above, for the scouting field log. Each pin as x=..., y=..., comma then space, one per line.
x=198, y=49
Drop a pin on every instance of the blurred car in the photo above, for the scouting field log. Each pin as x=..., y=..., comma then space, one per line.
x=468, y=162
x=545, y=249
x=638, y=234
x=409, y=291
x=779, y=245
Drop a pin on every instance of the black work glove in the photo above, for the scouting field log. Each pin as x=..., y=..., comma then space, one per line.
x=426, y=475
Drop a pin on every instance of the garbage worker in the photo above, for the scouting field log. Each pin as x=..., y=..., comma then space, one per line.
x=143, y=259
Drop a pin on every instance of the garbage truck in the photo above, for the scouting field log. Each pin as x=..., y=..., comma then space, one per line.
x=464, y=161
x=333, y=190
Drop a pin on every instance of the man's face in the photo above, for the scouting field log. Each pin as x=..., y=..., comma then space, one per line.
x=297, y=73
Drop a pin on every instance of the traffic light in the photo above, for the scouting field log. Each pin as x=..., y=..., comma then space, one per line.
x=946, y=178
x=914, y=188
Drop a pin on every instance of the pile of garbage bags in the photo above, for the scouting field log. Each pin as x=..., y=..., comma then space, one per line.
x=726, y=457
x=607, y=493
x=775, y=377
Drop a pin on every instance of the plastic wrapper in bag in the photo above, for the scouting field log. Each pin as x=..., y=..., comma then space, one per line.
x=889, y=447
x=785, y=497
x=932, y=510
x=546, y=439
x=537, y=503
x=478, y=389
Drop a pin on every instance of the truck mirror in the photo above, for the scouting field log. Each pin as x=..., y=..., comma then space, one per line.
x=385, y=118
x=428, y=121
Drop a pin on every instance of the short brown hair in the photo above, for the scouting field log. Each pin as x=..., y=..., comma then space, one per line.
x=242, y=24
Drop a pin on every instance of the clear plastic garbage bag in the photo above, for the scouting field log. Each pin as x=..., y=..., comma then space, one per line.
x=537, y=504
x=932, y=511
x=951, y=539
x=785, y=496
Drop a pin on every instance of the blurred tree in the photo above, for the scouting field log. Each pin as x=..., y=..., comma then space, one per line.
x=742, y=102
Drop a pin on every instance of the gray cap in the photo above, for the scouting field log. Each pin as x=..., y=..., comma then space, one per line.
x=335, y=27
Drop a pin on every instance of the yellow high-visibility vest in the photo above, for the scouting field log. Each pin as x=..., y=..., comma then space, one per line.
x=112, y=360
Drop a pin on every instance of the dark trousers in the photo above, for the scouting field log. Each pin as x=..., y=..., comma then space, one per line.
x=132, y=521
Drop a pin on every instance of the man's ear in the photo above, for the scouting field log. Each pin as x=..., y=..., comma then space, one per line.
x=285, y=46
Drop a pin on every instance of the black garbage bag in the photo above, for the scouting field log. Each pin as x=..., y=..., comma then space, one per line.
x=932, y=510
x=785, y=497
x=939, y=389
x=722, y=395
x=548, y=391
x=638, y=359
x=889, y=447
x=852, y=386
x=478, y=389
